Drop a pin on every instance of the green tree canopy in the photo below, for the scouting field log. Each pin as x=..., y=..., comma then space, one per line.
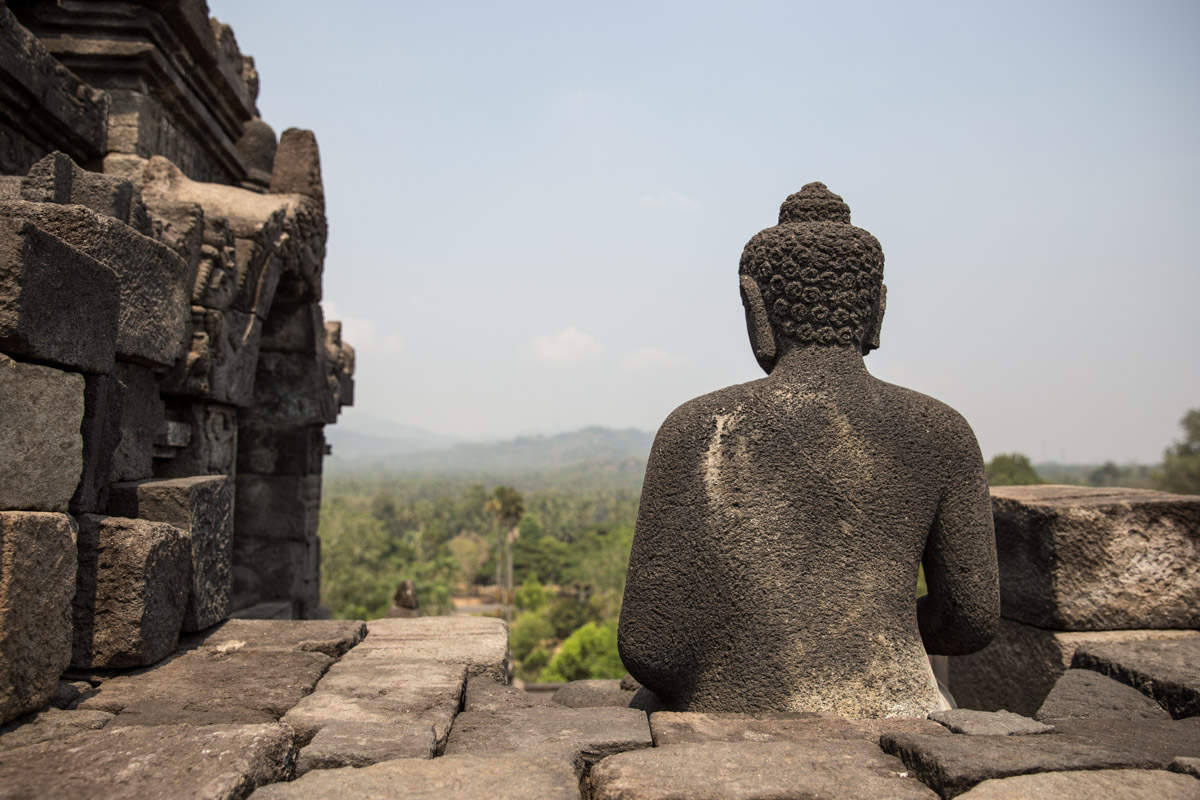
x=1180, y=471
x=1011, y=469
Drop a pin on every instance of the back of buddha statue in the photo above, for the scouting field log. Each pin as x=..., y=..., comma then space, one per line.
x=782, y=521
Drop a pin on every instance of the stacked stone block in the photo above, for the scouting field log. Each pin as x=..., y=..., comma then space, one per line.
x=1081, y=568
x=148, y=224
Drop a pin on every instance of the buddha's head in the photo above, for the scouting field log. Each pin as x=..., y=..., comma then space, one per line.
x=813, y=280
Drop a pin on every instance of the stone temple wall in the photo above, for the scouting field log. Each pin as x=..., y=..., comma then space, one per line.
x=166, y=371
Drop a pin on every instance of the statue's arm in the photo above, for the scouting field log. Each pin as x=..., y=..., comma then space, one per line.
x=962, y=609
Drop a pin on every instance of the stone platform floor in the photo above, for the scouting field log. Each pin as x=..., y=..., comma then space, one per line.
x=417, y=708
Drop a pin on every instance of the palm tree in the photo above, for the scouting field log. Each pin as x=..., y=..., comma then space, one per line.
x=508, y=506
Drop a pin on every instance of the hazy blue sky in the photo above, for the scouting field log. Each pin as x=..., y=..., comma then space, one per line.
x=537, y=209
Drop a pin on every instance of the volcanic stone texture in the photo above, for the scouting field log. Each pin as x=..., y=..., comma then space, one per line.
x=152, y=280
x=988, y=723
x=212, y=687
x=1167, y=671
x=782, y=521
x=203, y=506
x=103, y=406
x=57, y=304
x=58, y=179
x=52, y=723
x=333, y=637
x=360, y=744
x=133, y=582
x=37, y=582
x=484, y=694
x=953, y=764
x=1089, y=785
x=577, y=736
x=479, y=643
x=222, y=762
x=593, y=694
x=1082, y=559
x=41, y=449
x=461, y=777
x=142, y=417
x=669, y=728
x=842, y=768
x=1019, y=668
x=1082, y=693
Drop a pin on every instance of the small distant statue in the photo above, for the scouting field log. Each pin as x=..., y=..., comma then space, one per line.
x=782, y=521
x=405, y=603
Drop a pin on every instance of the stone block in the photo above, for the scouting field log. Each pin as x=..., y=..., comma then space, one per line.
x=953, y=764
x=593, y=694
x=203, y=506
x=988, y=723
x=1081, y=785
x=481, y=643
x=293, y=388
x=220, y=362
x=152, y=280
x=409, y=695
x=1018, y=669
x=37, y=581
x=221, y=762
x=1083, y=559
x=57, y=305
x=842, y=768
x=1167, y=671
x=691, y=727
x=268, y=570
x=131, y=591
x=294, y=328
x=103, y=409
x=297, y=165
x=41, y=449
x=460, y=777
x=333, y=637
x=142, y=418
x=268, y=610
x=578, y=736
x=210, y=687
x=268, y=449
x=278, y=506
x=212, y=449
x=1082, y=693
x=1186, y=766
x=53, y=723
x=485, y=694
x=360, y=744
x=58, y=179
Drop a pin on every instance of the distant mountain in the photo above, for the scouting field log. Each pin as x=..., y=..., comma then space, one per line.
x=359, y=436
x=594, y=450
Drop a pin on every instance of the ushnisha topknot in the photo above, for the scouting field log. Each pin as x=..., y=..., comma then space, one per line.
x=821, y=278
x=814, y=203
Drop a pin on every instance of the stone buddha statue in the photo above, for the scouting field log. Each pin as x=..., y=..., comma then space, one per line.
x=782, y=521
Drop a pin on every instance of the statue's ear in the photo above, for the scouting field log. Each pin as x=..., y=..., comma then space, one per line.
x=872, y=340
x=762, y=338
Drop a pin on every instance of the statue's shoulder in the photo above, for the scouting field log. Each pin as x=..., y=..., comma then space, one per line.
x=937, y=420
x=693, y=421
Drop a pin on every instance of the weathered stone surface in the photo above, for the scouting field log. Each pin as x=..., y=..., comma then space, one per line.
x=57, y=304
x=1089, y=785
x=1186, y=766
x=41, y=450
x=1080, y=559
x=405, y=693
x=270, y=449
x=142, y=417
x=70, y=692
x=481, y=643
x=592, y=694
x=50, y=724
x=782, y=521
x=222, y=762
x=37, y=581
x=131, y=591
x=269, y=610
x=690, y=727
x=103, y=407
x=1019, y=668
x=152, y=280
x=220, y=364
x=294, y=328
x=1168, y=671
x=817, y=768
x=293, y=388
x=578, y=736
x=210, y=687
x=278, y=506
x=988, y=723
x=461, y=777
x=268, y=570
x=1085, y=694
x=360, y=744
x=297, y=165
x=257, y=147
x=953, y=764
x=203, y=506
x=333, y=637
x=485, y=694
x=58, y=179
x=214, y=443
